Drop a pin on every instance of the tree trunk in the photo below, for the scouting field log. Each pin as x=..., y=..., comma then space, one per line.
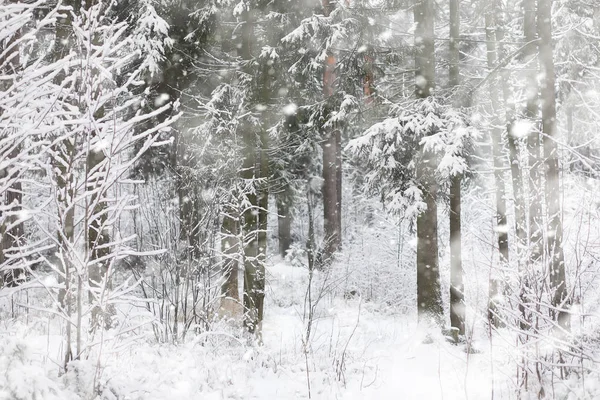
x=533, y=138
x=284, y=220
x=11, y=231
x=332, y=163
x=97, y=222
x=512, y=140
x=429, y=295
x=253, y=267
x=338, y=186
x=230, y=244
x=457, y=298
x=183, y=165
x=330, y=192
x=552, y=182
x=501, y=220
x=369, y=79
x=98, y=241
x=63, y=158
x=188, y=211
x=263, y=213
x=254, y=225
x=97, y=229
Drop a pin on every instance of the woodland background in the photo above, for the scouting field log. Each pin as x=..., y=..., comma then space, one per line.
x=289, y=199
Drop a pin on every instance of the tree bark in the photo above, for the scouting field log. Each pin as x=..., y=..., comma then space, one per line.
x=512, y=140
x=552, y=182
x=369, y=79
x=533, y=138
x=457, y=298
x=263, y=204
x=230, y=247
x=11, y=231
x=500, y=192
x=188, y=209
x=254, y=216
x=63, y=158
x=254, y=276
x=98, y=241
x=253, y=270
x=332, y=163
x=429, y=296
x=98, y=237
x=284, y=219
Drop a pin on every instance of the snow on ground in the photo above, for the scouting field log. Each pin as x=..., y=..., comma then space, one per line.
x=355, y=352
x=387, y=356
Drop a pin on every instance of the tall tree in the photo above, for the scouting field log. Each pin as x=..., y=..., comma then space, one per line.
x=63, y=155
x=512, y=138
x=253, y=174
x=429, y=298
x=457, y=306
x=533, y=137
x=558, y=284
x=11, y=225
x=498, y=165
x=331, y=147
x=98, y=240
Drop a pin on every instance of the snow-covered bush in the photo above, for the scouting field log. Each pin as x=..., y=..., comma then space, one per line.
x=22, y=377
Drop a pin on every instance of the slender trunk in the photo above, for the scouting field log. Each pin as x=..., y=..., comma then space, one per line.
x=63, y=158
x=230, y=247
x=254, y=236
x=338, y=187
x=97, y=237
x=186, y=190
x=188, y=212
x=552, y=182
x=284, y=220
x=263, y=204
x=501, y=220
x=369, y=79
x=457, y=298
x=512, y=140
x=11, y=231
x=311, y=242
x=330, y=195
x=429, y=295
x=533, y=138
x=332, y=162
x=252, y=297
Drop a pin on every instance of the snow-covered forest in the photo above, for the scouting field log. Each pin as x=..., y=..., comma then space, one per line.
x=286, y=199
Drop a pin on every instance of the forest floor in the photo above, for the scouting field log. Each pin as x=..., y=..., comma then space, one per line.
x=355, y=352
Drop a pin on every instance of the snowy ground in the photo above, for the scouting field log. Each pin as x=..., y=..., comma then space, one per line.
x=356, y=352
